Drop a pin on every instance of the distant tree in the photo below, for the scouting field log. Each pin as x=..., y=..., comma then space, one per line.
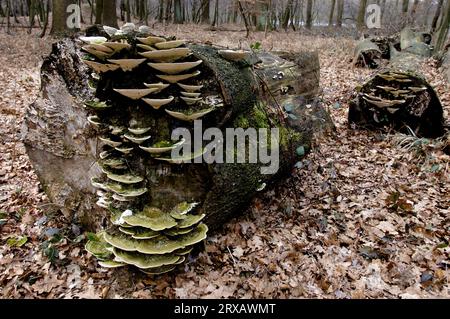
x=161, y=11
x=405, y=7
x=60, y=16
x=110, y=14
x=216, y=14
x=205, y=11
x=99, y=12
x=330, y=18
x=309, y=6
x=437, y=15
x=361, y=14
x=340, y=13
x=442, y=33
x=178, y=12
x=287, y=14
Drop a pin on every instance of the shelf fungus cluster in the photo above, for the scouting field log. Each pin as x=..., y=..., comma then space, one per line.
x=137, y=80
x=401, y=100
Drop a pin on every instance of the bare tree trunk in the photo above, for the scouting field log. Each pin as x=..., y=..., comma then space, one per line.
x=443, y=29
x=8, y=13
x=361, y=14
x=178, y=13
x=99, y=12
x=287, y=15
x=340, y=13
x=309, y=6
x=216, y=14
x=160, y=11
x=60, y=15
x=330, y=19
x=436, y=16
x=110, y=14
x=247, y=26
x=405, y=6
x=128, y=9
x=46, y=13
x=205, y=11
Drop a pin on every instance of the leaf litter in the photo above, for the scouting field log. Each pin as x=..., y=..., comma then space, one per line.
x=362, y=216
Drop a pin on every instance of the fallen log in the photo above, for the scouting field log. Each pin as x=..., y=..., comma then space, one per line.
x=367, y=54
x=446, y=63
x=101, y=143
x=398, y=97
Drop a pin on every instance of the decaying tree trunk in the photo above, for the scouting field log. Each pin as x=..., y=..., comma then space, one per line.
x=398, y=96
x=446, y=63
x=367, y=54
x=82, y=133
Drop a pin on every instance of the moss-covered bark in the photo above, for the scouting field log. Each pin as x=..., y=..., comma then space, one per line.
x=265, y=91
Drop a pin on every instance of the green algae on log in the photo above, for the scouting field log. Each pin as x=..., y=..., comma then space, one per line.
x=398, y=97
x=265, y=90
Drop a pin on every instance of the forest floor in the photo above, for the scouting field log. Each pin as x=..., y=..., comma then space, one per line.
x=360, y=217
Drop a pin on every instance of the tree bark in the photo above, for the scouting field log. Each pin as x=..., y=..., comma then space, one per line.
x=437, y=14
x=99, y=12
x=330, y=18
x=360, y=21
x=399, y=97
x=442, y=33
x=64, y=148
x=340, y=13
x=178, y=13
x=110, y=14
x=205, y=12
x=287, y=14
x=309, y=6
x=60, y=15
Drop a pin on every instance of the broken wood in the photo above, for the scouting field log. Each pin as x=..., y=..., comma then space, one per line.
x=398, y=97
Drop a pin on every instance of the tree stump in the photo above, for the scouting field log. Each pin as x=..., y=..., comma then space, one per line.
x=398, y=97
x=105, y=138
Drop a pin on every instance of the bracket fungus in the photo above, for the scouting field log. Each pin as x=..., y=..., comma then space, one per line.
x=127, y=64
x=177, y=78
x=171, y=55
x=158, y=103
x=175, y=68
x=160, y=148
x=191, y=116
x=234, y=55
x=135, y=94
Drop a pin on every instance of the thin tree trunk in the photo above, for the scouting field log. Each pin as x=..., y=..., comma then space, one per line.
x=309, y=6
x=46, y=14
x=340, y=13
x=287, y=15
x=99, y=12
x=216, y=14
x=128, y=9
x=361, y=14
x=443, y=29
x=436, y=16
x=178, y=13
x=160, y=11
x=330, y=19
x=205, y=11
x=247, y=26
x=8, y=13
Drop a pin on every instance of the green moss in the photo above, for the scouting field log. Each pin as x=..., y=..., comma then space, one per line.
x=162, y=144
